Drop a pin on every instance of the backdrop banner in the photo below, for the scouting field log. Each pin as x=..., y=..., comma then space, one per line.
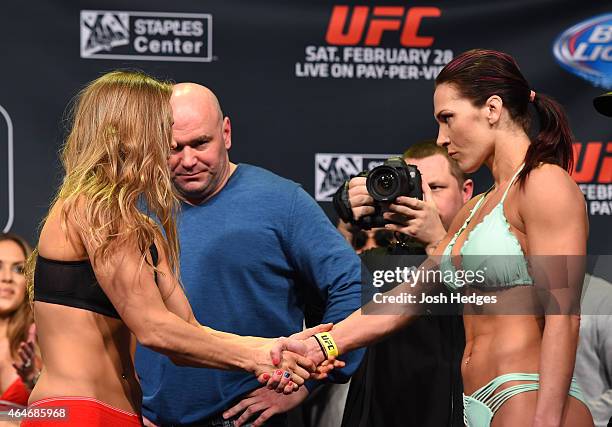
x=316, y=90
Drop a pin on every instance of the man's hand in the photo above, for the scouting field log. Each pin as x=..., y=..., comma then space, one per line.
x=266, y=403
x=360, y=199
x=416, y=218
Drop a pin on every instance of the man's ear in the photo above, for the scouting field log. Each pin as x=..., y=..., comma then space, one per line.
x=467, y=190
x=493, y=108
x=226, y=131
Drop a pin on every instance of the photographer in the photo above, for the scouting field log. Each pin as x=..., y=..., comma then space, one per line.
x=445, y=191
x=404, y=377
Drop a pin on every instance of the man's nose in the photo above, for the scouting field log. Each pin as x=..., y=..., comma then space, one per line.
x=188, y=159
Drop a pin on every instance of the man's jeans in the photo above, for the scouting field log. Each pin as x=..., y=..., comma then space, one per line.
x=218, y=421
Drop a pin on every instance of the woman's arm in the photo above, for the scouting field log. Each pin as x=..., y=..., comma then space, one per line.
x=359, y=329
x=162, y=319
x=370, y=323
x=553, y=212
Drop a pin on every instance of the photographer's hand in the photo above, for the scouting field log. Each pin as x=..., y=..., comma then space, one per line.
x=360, y=199
x=419, y=219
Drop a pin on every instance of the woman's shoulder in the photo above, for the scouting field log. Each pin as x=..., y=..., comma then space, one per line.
x=59, y=236
x=551, y=183
x=549, y=172
x=550, y=191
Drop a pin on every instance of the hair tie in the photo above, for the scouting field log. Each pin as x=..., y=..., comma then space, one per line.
x=531, y=96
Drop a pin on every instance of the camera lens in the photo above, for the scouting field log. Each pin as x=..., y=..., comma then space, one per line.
x=383, y=183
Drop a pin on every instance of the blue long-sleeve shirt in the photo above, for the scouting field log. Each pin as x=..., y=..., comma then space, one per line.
x=247, y=254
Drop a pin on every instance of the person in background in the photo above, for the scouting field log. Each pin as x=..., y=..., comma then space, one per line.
x=20, y=364
x=362, y=240
x=594, y=356
x=252, y=245
x=419, y=366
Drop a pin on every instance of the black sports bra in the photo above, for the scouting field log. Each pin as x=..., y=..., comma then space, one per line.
x=74, y=284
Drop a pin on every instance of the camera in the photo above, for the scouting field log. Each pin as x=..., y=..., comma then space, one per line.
x=385, y=183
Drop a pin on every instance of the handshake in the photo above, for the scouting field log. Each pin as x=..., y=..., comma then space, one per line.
x=284, y=364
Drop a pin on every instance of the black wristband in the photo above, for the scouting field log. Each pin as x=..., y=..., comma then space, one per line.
x=320, y=345
x=341, y=202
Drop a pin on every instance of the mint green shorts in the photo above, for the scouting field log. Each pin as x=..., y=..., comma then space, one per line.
x=480, y=407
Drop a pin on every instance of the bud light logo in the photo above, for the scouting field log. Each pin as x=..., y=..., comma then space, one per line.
x=586, y=50
x=6, y=171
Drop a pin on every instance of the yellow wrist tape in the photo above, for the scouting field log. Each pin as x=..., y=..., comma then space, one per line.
x=327, y=343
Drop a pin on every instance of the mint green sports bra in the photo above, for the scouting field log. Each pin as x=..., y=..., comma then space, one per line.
x=490, y=248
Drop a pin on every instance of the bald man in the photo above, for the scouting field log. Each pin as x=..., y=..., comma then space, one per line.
x=251, y=244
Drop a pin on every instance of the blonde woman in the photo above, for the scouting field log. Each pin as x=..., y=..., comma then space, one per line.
x=106, y=272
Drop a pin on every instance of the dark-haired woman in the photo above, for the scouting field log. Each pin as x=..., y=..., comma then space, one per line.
x=517, y=369
x=19, y=365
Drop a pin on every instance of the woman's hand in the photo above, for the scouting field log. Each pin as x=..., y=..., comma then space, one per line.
x=28, y=365
x=290, y=366
x=310, y=348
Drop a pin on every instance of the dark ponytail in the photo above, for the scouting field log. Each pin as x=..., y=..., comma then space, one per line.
x=479, y=74
x=553, y=143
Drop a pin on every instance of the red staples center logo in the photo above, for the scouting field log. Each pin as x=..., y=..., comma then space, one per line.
x=6, y=180
x=382, y=18
x=593, y=173
x=356, y=37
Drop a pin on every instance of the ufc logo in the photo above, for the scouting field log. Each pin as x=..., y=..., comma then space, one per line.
x=586, y=160
x=382, y=18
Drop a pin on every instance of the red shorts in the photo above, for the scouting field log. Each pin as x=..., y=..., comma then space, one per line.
x=78, y=411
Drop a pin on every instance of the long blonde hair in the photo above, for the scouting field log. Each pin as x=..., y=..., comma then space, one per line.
x=21, y=319
x=115, y=160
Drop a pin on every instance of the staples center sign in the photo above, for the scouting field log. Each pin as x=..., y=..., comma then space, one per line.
x=146, y=36
x=355, y=49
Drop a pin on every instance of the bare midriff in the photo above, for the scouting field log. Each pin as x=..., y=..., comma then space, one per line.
x=87, y=355
x=499, y=344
